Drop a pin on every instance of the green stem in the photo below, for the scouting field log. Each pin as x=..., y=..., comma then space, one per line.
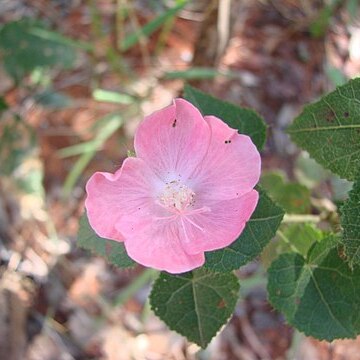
x=287, y=241
x=256, y=280
x=295, y=344
x=146, y=276
x=292, y=218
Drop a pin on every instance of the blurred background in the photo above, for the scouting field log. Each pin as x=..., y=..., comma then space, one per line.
x=76, y=78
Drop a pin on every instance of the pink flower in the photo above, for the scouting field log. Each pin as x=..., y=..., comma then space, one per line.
x=189, y=190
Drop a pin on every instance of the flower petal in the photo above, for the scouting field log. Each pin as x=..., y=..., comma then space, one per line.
x=231, y=167
x=174, y=140
x=130, y=191
x=220, y=226
x=158, y=246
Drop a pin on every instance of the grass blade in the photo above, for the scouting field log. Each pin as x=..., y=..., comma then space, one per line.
x=113, y=97
x=89, y=150
x=149, y=28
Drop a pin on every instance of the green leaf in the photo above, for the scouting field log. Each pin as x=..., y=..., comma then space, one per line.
x=335, y=75
x=32, y=179
x=330, y=130
x=293, y=197
x=247, y=121
x=113, y=251
x=259, y=230
x=300, y=237
x=352, y=8
x=308, y=172
x=23, y=49
x=319, y=27
x=88, y=149
x=195, y=304
x=320, y=296
x=195, y=73
x=3, y=105
x=52, y=99
x=296, y=238
x=150, y=27
x=350, y=221
x=340, y=188
x=18, y=143
x=113, y=97
x=56, y=37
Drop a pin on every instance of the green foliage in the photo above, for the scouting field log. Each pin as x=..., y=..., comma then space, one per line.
x=149, y=28
x=195, y=304
x=308, y=172
x=110, y=124
x=52, y=99
x=194, y=73
x=330, y=130
x=247, y=121
x=296, y=238
x=3, y=105
x=26, y=44
x=113, y=251
x=319, y=295
x=350, y=221
x=19, y=156
x=319, y=27
x=300, y=237
x=134, y=286
x=259, y=230
x=18, y=140
x=340, y=189
x=113, y=97
x=352, y=7
x=335, y=75
x=293, y=197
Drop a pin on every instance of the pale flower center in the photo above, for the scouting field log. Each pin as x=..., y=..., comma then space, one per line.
x=176, y=196
x=179, y=200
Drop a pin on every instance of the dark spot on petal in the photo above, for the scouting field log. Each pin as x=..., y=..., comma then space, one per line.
x=174, y=123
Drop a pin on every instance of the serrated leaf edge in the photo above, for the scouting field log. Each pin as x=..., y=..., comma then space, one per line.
x=289, y=322
x=202, y=345
x=308, y=109
x=228, y=103
x=350, y=262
